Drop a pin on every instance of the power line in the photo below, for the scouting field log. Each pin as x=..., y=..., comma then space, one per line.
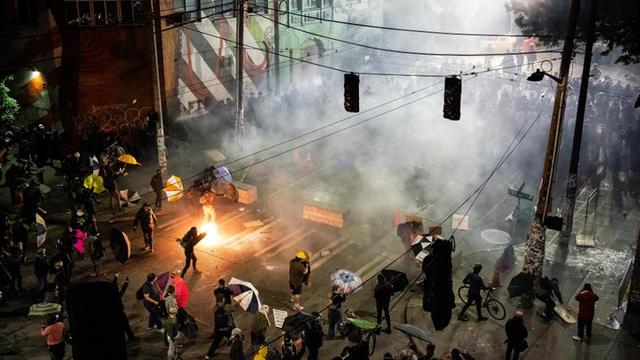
x=411, y=52
x=433, y=32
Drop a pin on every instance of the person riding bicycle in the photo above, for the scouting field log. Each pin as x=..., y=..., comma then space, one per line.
x=476, y=284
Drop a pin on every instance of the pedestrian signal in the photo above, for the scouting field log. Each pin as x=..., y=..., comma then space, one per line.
x=452, y=95
x=351, y=92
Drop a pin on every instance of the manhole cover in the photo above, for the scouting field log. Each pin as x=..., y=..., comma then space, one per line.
x=495, y=236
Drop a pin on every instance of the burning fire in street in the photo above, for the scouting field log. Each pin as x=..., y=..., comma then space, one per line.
x=213, y=237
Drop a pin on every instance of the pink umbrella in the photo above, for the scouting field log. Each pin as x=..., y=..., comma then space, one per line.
x=80, y=237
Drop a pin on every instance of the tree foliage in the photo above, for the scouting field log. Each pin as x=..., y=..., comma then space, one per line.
x=617, y=23
x=9, y=107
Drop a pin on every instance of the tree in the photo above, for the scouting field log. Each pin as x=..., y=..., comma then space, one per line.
x=617, y=23
x=8, y=106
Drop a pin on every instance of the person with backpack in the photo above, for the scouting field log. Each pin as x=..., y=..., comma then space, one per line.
x=474, y=280
x=96, y=252
x=222, y=327
x=157, y=185
x=171, y=333
x=259, y=325
x=382, y=294
x=150, y=296
x=516, y=336
x=313, y=335
x=188, y=243
x=148, y=221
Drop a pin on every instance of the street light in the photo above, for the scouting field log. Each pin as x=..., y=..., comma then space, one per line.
x=539, y=75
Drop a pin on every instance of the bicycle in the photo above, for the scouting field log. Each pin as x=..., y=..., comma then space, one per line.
x=494, y=307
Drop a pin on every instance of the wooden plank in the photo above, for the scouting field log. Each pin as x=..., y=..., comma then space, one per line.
x=323, y=214
x=247, y=194
x=585, y=240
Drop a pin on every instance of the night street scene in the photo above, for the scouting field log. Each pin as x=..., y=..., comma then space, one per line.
x=319, y=179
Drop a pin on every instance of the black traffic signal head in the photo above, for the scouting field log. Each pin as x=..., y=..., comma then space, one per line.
x=452, y=96
x=352, y=92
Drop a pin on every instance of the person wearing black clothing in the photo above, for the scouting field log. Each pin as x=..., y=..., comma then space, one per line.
x=313, y=336
x=31, y=198
x=223, y=324
x=157, y=184
x=188, y=242
x=41, y=268
x=12, y=179
x=516, y=335
x=223, y=291
x=151, y=300
x=334, y=301
x=474, y=280
x=125, y=321
x=382, y=294
x=148, y=221
x=20, y=237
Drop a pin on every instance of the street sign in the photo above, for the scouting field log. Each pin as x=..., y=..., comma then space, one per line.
x=460, y=222
x=278, y=317
x=520, y=194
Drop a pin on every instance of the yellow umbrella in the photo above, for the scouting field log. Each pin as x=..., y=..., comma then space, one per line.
x=174, y=188
x=94, y=182
x=128, y=159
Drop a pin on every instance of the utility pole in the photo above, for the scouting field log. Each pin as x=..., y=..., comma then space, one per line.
x=534, y=253
x=240, y=11
x=160, y=93
x=276, y=44
x=572, y=182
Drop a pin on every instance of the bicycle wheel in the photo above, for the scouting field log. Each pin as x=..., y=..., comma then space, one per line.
x=463, y=293
x=496, y=309
x=372, y=344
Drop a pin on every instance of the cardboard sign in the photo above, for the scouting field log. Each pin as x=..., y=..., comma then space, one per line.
x=278, y=317
x=460, y=222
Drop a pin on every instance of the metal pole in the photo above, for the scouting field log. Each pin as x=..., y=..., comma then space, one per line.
x=572, y=182
x=240, y=4
x=160, y=99
x=534, y=253
x=276, y=43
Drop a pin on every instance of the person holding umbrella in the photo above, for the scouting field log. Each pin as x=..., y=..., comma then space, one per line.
x=382, y=294
x=152, y=302
x=188, y=242
x=148, y=221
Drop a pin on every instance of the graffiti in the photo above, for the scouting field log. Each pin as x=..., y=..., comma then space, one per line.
x=121, y=119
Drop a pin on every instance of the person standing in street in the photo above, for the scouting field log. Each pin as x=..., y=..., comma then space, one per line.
x=474, y=280
x=53, y=330
x=171, y=333
x=516, y=336
x=299, y=270
x=188, y=243
x=382, y=294
x=41, y=268
x=334, y=302
x=148, y=221
x=222, y=327
x=223, y=291
x=587, y=301
x=208, y=211
x=237, y=345
x=157, y=185
x=313, y=335
x=152, y=302
x=259, y=325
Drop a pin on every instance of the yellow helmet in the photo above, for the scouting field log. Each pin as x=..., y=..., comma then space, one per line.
x=300, y=254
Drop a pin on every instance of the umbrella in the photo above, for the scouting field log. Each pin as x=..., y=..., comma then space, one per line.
x=519, y=284
x=421, y=246
x=347, y=281
x=222, y=173
x=95, y=182
x=174, y=188
x=182, y=294
x=295, y=323
x=120, y=245
x=129, y=198
x=43, y=309
x=398, y=279
x=413, y=331
x=41, y=230
x=128, y=159
x=80, y=237
x=366, y=325
x=245, y=294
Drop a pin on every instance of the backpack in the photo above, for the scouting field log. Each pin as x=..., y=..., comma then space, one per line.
x=222, y=320
x=189, y=327
x=140, y=293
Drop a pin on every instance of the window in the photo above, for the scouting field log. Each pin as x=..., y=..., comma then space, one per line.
x=106, y=12
x=312, y=4
x=259, y=6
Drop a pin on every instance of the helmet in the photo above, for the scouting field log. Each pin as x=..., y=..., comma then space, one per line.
x=477, y=268
x=301, y=254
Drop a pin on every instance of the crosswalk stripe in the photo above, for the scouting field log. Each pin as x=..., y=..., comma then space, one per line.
x=318, y=253
x=333, y=253
x=275, y=244
x=246, y=234
x=376, y=260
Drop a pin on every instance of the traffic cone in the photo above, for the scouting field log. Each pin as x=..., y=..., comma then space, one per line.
x=307, y=161
x=296, y=157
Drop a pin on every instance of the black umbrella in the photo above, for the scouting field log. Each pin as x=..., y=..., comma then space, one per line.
x=120, y=245
x=295, y=323
x=398, y=279
x=413, y=331
x=519, y=284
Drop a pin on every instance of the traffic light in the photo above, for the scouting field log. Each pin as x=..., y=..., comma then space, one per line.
x=452, y=95
x=351, y=92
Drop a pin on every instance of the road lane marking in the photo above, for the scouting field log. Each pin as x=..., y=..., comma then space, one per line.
x=371, y=263
x=332, y=254
x=275, y=244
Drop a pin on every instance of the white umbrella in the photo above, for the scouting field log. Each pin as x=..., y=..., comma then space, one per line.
x=245, y=294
